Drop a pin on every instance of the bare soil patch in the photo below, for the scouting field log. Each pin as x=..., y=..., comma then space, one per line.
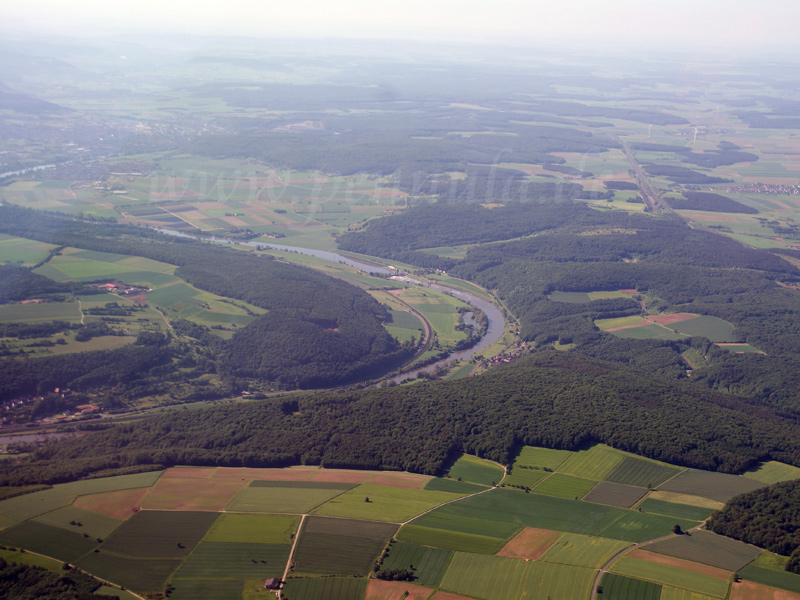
x=188, y=473
x=121, y=504
x=395, y=590
x=663, y=559
x=530, y=543
x=341, y=476
x=642, y=324
x=193, y=494
x=404, y=480
x=669, y=319
x=749, y=590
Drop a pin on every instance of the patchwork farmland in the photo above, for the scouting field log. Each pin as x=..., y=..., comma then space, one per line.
x=221, y=532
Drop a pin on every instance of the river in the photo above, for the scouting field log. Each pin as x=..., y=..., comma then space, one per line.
x=494, y=331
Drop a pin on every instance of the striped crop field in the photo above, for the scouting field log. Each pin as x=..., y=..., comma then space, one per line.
x=669, y=575
x=583, y=550
x=619, y=587
x=595, y=463
x=500, y=578
x=615, y=494
x=641, y=473
x=564, y=486
x=449, y=539
x=428, y=564
x=476, y=470
x=709, y=549
x=544, y=458
x=253, y=528
x=717, y=486
x=773, y=472
x=340, y=546
x=530, y=543
x=384, y=503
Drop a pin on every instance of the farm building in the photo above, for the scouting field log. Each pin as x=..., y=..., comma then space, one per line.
x=272, y=584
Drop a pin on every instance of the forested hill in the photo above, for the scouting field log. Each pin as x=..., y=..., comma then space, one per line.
x=769, y=518
x=442, y=224
x=553, y=399
x=319, y=331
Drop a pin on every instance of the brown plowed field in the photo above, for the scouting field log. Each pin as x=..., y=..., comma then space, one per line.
x=188, y=473
x=342, y=476
x=669, y=319
x=193, y=494
x=530, y=543
x=404, y=480
x=642, y=324
x=121, y=504
x=687, y=565
x=394, y=590
x=748, y=590
x=449, y=596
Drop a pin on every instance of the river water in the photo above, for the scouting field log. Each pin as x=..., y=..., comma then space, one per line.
x=495, y=317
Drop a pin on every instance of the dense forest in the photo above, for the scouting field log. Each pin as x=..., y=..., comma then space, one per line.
x=767, y=517
x=23, y=582
x=570, y=247
x=553, y=399
x=319, y=331
x=710, y=202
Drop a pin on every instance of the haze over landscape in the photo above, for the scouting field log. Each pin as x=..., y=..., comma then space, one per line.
x=423, y=300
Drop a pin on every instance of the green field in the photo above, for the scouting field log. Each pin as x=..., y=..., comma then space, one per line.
x=564, y=486
x=595, y=463
x=713, y=328
x=96, y=525
x=671, y=509
x=159, y=534
x=440, y=484
x=615, y=494
x=138, y=574
x=38, y=503
x=501, y=513
x=295, y=497
x=207, y=589
x=48, y=540
x=544, y=458
x=500, y=578
x=604, y=324
x=641, y=472
x=527, y=478
x=619, y=587
x=50, y=311
x=16, y=250
x=709, y=549
x=262, y=529
x=428, y=564
x=773, y=472
x=340, y=546
x=386, y=503
x=648, y=332
x=450, y=540
x=716, y=486
x=583, y=550
x=476, y=470
x=639, y=527
x=229, y=560
x=329, y=588
x=768, y=569
x=669, y=575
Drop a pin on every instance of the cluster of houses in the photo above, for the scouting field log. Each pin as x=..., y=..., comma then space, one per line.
x=120, y=289
x=511, y=353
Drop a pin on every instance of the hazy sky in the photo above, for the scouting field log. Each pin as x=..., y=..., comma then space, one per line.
x=744, y=24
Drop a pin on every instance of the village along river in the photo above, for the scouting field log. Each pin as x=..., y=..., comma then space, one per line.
x=494, y=331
